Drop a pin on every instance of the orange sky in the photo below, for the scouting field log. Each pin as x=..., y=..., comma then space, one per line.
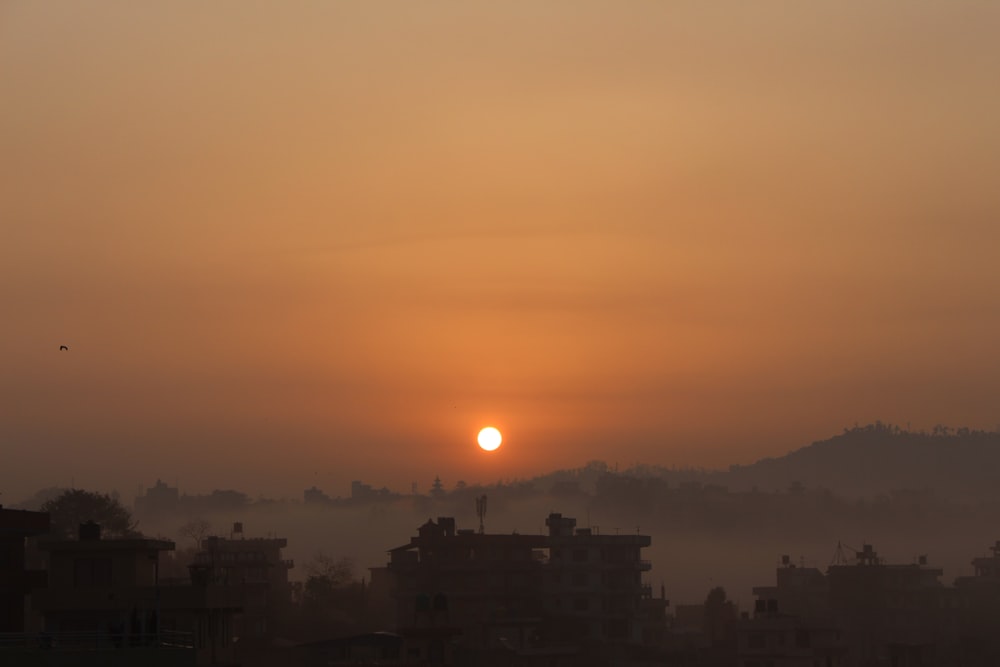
x=309, y=242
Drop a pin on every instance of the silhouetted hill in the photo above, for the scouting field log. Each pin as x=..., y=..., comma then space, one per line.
x=878, y=459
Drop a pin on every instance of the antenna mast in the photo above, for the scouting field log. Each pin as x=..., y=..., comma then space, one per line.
x=481, y=512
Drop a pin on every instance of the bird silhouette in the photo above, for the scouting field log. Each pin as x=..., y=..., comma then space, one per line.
x=63, y=347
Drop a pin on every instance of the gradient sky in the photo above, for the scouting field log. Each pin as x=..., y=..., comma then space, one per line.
x=308, y=242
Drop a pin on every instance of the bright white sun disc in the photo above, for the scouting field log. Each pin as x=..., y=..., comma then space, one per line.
x=489, y=438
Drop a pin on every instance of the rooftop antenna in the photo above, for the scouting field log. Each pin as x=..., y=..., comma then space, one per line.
x=481, y=512
x=839, y=557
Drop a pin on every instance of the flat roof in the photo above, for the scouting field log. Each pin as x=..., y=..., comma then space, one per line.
x=23, y=522
x=125, y=544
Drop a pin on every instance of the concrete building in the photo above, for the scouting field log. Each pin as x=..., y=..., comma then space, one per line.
x=16, y=581
x=780, y=640
x=798, y=591
x=868, y=612
x=107, y=594
x=888, y=611
x=976, y=611
x=468, y=591
x=159, y=500
x=450, y=583
x=256, y=567
x=593, y=582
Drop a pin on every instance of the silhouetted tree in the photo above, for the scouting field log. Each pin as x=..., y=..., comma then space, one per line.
x=332, y=572
x=332, y=603
x=76, y=506
x=39, y=498
x=196, y=530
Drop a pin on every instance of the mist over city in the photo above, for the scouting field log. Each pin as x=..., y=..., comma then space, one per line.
x=533, y=334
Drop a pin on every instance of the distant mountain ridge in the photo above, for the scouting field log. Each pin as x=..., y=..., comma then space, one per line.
x=880, y=458
x=862, y=462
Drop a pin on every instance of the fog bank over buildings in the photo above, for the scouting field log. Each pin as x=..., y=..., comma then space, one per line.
x=722, y=527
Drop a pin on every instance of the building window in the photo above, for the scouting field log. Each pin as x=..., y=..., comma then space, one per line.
x=92, y=572
x=579, y=555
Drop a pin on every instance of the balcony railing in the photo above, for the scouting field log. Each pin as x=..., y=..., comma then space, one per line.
x=95, y=641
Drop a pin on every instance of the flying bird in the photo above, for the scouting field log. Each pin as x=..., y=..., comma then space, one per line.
x=63, y=347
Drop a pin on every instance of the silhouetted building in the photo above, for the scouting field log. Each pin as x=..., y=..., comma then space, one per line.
x=315, y=496
x=977, y=611
x=772, y=639
x=457, y=582
x=593, y=582
x=888, y=609
x=362, y=493
x=791, y=625
x=162, y=499
x=518, y=594
x=798, y=591
x=158, y=500
x=256, y=567
x=107, y=594
x=864, y=613
x=16, y=581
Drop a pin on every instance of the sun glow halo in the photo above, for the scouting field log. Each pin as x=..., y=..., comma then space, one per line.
x=489, y=439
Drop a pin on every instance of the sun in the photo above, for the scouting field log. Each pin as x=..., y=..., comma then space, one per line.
x=489, y=438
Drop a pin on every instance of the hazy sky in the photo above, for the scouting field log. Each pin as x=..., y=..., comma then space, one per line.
x=307, y=242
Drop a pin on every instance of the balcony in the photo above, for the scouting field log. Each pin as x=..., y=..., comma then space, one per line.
x=48, y=600
x=164, y=649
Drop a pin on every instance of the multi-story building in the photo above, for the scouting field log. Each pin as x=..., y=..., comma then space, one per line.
x=772, y=639
x=518, y=592
x=976, y=605
x=451, y=582
x=792, y=624
x=798, y=591
x=257, y=568
x=887, y=610
x=16, y=581
x=862, y=613
x=159, y=500
x=594, y=581
x=107, y=593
